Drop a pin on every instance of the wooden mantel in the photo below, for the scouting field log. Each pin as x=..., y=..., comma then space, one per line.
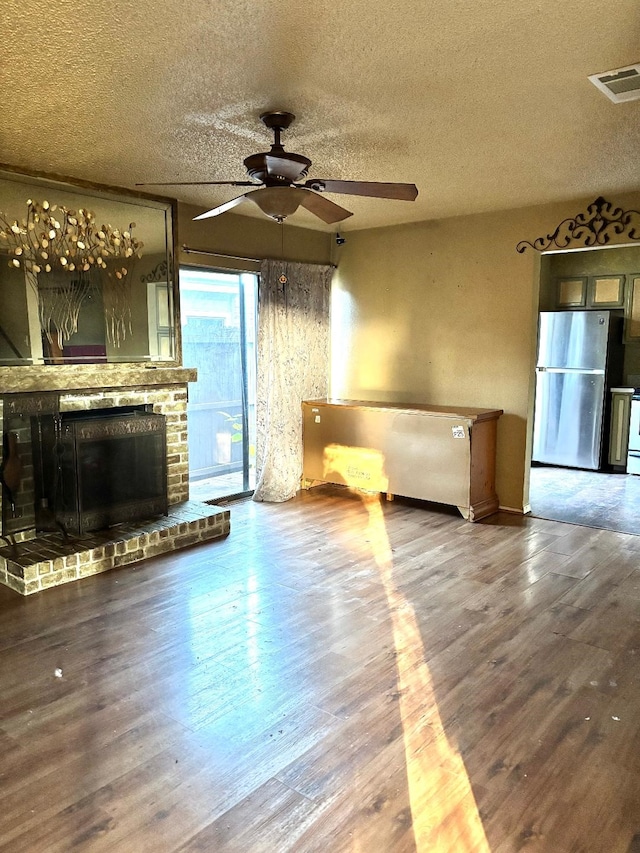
x=76, y=377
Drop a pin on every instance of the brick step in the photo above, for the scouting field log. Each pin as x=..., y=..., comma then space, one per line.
x=46, y=561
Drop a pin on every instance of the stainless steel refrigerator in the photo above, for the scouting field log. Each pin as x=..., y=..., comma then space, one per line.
x=579, y=359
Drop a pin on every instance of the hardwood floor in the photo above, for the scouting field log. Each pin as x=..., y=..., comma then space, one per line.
x=340, y=674
x=591, y=498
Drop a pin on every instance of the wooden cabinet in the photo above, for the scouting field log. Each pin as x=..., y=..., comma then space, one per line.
x=571, y=292
x=619, y=430
x=595, y=291
x=606, y=291
x=432, y=453
x=632, y=313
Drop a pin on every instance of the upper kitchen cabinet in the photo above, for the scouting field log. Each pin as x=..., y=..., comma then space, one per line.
x=606, y=291
x=571, y=292
x=632, y=313
x=596, y=291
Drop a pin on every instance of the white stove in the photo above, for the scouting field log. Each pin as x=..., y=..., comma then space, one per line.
x=633, y=454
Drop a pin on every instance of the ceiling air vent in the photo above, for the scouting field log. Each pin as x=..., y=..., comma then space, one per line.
x=619, y=85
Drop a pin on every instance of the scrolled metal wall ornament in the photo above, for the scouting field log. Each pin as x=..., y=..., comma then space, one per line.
x=158, y=273
x=601, y=222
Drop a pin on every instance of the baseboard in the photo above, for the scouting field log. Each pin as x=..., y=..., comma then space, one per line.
x=524, y=511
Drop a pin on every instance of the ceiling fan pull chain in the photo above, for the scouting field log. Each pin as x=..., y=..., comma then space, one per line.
x=283, y=278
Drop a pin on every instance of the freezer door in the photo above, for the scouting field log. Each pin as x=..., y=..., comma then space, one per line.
x=576, y=339
x=567, y=427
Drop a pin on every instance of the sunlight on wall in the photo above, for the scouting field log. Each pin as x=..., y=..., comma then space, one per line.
x=375, y=371
x=444, y=814
x=367, y=369
x=342, y=319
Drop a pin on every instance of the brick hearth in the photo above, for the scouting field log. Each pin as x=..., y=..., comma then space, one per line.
x=48, y=560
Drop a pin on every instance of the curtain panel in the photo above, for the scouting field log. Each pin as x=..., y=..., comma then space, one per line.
x=293, y=365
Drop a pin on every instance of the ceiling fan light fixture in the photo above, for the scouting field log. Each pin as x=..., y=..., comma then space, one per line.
x=277, y=202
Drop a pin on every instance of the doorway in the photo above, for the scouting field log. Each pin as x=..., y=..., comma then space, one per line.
x=600, y=499
x=219, y=317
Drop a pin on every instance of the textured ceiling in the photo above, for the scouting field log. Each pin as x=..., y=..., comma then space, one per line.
x=484, y=104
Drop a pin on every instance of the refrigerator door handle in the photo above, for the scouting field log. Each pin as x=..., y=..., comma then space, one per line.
x=591, y=370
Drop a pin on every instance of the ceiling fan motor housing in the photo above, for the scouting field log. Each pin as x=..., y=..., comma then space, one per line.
x=265, y=167
x=277, y=167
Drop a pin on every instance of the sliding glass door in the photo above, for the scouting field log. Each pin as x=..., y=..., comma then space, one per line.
x=219, y=312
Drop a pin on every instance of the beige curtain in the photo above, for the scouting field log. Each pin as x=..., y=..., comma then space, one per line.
x=293, y=365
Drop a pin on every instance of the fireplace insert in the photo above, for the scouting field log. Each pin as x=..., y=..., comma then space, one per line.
x=93, y=469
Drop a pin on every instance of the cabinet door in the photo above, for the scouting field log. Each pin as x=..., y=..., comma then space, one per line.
x=571, y=292
x=619, y=434
x=606, y=291
x=632, y=319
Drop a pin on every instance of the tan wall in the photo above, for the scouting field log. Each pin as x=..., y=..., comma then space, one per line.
x=445, y=312
x=248, y=237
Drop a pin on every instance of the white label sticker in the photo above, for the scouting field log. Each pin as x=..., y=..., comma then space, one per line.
x=457, y=431
x=317, y=419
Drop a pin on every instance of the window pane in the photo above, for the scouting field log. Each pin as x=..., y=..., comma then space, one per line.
x=218, y=312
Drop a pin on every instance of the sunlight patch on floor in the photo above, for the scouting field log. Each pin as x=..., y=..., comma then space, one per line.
x=444, y=813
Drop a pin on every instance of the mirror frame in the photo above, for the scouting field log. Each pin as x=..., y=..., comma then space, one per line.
x=34, y=180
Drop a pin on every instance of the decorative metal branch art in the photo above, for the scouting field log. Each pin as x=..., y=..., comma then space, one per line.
x=60, y=251
x=596, y=227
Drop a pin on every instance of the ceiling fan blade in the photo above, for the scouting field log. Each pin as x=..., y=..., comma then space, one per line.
x=289, y=169
x=323, y=208
x=222, y=208
x=373, y=189
x=200, y=184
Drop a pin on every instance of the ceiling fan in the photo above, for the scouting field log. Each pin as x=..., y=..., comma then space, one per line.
x=276, y=192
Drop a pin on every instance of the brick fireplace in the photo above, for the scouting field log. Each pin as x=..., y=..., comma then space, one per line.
x=32, y=560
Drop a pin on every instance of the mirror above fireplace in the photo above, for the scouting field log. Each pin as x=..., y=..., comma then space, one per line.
x=87, y=274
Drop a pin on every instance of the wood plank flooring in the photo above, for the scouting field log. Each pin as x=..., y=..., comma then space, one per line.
x=339, y=674
x=592, y=498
